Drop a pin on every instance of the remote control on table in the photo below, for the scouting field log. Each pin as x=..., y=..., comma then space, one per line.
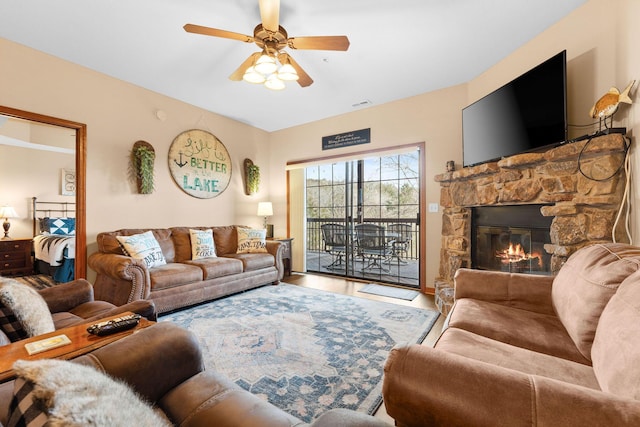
x=112, y=326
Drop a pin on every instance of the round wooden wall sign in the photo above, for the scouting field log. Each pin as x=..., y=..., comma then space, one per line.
x=200, y=164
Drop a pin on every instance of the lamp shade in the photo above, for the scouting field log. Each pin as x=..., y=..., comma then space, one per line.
x=8, y=212
x=265, y=209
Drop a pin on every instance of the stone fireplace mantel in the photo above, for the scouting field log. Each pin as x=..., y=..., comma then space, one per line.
x=582, y=188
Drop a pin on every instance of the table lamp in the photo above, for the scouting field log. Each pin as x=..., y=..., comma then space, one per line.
x=7, y=212
x=265, y=209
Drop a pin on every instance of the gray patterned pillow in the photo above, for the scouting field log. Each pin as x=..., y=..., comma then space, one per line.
x=23, y=311
x=63, y=393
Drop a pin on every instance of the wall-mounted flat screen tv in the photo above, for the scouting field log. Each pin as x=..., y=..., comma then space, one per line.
x=527, y=114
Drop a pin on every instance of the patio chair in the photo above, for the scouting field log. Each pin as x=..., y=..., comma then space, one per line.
x=373, y=246
x=401, y=234
x=334, y=237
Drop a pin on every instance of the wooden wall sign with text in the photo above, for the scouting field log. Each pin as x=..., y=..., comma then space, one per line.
x=200, y=164
x=356, y=137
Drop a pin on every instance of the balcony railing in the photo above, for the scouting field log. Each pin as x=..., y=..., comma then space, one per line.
x=398, y=267
x=316, y=243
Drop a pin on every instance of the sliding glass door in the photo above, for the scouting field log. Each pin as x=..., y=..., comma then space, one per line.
x=363, y=218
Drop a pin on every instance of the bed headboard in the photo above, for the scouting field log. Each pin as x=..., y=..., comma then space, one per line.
x=43, y=209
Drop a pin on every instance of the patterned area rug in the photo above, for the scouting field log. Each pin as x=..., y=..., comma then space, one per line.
x=38, y=281
x=304, y=350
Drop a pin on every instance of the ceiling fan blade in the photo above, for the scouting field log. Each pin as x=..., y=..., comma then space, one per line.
x=304, y=79
x=239, y=73
x=319, y=43
x=270, y=14
x=207, y=31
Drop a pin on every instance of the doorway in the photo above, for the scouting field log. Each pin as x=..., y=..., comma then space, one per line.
x=363, y=218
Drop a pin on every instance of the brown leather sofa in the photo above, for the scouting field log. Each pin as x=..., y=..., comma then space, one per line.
x=163, y=364
x=181, y=282
x=526, y=350
x=73, y=303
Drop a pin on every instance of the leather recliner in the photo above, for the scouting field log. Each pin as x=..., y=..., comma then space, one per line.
x=164, y=365
x=73, y=303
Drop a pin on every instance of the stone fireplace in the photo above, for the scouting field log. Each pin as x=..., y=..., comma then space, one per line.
x=577, y=186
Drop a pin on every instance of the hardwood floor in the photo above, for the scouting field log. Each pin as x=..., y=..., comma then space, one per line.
x=351, y=287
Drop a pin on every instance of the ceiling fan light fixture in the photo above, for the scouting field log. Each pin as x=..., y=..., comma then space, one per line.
x=266, y=64
x=252, y=76
x=274, y=83
x=288, y=73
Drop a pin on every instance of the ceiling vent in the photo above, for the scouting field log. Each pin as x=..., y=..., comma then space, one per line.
x=361, y=103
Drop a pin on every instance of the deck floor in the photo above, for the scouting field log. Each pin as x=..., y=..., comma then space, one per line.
x=404, y=273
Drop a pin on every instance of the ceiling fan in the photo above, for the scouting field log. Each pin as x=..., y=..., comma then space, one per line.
x=261, y=67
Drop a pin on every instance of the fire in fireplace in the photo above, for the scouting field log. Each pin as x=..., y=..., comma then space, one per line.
x=510, y=238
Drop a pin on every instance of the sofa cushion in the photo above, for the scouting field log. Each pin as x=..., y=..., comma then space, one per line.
x=539, y=332
x=251, y=241
x=616, y=347
x=253, y=262
x=584, y=285
x=182, y=242
x=64, y=393
x=226, y=239
x=202, y=245
x=174, y=274
x=473, y=346
x=108, y=242
x=23, y=311
x=218, y=267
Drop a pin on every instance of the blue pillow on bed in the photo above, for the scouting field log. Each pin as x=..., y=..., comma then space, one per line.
x=59, y=225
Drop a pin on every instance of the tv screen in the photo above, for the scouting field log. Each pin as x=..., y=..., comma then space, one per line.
x=526, y=114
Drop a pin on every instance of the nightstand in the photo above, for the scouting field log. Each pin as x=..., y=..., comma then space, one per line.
x=15, y=257
x=286, y=253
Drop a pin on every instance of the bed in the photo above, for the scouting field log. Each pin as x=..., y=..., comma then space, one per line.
x=54, y=241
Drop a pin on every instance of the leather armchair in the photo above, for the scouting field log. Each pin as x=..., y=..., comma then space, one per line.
x=73, y=303
x=163, y=364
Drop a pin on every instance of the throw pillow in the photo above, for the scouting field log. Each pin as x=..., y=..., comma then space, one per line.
x=251, y=241
x=143, y=246
x=202, y=245
x=63, y=226
x=64, y=393
x=23, y=311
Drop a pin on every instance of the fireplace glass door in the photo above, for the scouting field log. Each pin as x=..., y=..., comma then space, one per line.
x=510, y=239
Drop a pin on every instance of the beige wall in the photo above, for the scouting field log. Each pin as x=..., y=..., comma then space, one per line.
x=434, y=118
x=26, y=173
x=598, y=37
x=627, y=68
x=29, y=171
x=602, y=51
x=118, y=114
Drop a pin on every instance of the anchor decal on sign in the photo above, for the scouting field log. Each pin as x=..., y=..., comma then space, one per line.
x=181, y=163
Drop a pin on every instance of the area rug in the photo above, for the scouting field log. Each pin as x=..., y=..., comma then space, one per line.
x=38, y=281
x=304, y=350
x=389, y=291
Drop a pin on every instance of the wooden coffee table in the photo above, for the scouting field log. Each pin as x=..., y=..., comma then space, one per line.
x=82, y=342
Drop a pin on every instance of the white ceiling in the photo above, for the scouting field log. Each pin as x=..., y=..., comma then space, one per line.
x=398, y=48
